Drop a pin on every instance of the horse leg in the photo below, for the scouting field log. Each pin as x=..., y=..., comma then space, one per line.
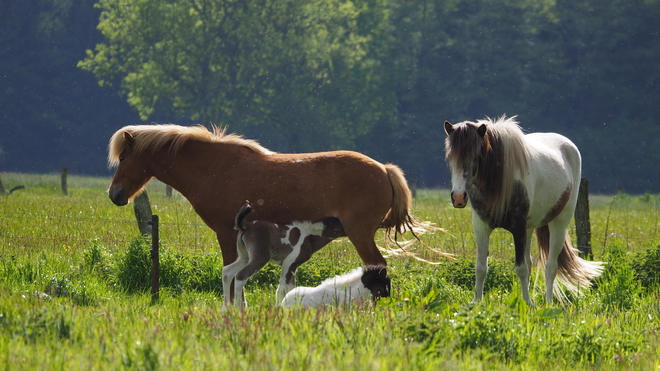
x=557, y=231
x=229, y=272
x=482, y=235
x=523, y=268
x=361, y=233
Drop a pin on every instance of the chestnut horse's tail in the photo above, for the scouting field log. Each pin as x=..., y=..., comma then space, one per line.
x=573, y=272
x=399, y=219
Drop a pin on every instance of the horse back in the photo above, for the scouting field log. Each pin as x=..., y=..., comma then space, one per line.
x=288, y=187
x=554, y=179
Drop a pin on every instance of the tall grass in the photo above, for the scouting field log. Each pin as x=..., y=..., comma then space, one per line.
x=74, y=294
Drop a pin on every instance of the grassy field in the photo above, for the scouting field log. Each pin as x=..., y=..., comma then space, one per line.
x=74, y=295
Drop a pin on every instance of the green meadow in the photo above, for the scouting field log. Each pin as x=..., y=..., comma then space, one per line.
x=75, y=295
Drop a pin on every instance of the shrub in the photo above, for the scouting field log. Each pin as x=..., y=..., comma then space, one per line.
x=647, y=267
x=618, y=286
x=132, y=269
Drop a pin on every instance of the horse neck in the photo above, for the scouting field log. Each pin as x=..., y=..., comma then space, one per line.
x=190, y=165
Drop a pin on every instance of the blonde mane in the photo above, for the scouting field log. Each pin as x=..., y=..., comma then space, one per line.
x=154, y=137
x=506, y=134
x=503, y=160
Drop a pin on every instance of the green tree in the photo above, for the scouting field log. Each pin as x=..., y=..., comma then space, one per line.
x=291, y=65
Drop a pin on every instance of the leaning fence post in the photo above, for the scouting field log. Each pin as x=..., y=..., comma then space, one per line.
x=155, y=262
x=582, y=223
x=142, y=209
x=63, y=181
x=3, y=191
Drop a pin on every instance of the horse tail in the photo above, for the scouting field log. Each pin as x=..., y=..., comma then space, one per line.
x=399, y=219
x=239, y=221
x=573, y=272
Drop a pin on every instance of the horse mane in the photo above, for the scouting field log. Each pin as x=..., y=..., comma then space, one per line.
x=154, y=137
x=503, y=156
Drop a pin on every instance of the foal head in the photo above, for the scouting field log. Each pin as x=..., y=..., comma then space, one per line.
x=377, y=281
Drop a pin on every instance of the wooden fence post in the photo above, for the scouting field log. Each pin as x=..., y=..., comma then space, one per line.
x=142, y=209
x=3, y=191
x=413, y=187
x=155, y=262
x=63, y=182
x=582, y=222
x=168, y=191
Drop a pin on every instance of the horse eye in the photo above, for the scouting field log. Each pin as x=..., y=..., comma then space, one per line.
x=121, y=159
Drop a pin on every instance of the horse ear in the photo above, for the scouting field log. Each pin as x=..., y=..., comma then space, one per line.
x=482, y=130
x=449, y=128
x=128, y=138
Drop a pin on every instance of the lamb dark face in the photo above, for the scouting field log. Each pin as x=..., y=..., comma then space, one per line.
x=377, y=281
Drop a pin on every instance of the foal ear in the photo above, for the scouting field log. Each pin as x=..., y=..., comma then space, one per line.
x=449, y=128
x=128, y=138
x=481, y=130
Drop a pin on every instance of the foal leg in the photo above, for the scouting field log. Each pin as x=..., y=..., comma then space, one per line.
x=256, y=262
x=287, y=280
x=481, y=234
x=229, y=272
x=289, y=266
x=228, y=246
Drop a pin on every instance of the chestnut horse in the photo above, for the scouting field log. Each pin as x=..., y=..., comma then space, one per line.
x=217, y=172
x=521, y=183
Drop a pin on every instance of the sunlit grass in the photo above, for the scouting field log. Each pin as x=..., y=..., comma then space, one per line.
x=73, y=297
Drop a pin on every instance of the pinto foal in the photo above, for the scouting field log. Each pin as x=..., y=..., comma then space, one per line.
x=290, y=245
x=358, y=286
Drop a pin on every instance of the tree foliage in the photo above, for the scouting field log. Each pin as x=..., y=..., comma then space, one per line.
x=243, y=63
x=378, y=76
x=581, y=68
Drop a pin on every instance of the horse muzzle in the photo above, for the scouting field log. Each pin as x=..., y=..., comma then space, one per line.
x=118, y=196
x=459, y=200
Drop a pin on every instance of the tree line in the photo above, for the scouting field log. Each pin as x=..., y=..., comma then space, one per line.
x=376, y=76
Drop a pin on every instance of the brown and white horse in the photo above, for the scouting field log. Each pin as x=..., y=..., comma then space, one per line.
x=521, y=183
x=289, y=245
x=217, y=172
